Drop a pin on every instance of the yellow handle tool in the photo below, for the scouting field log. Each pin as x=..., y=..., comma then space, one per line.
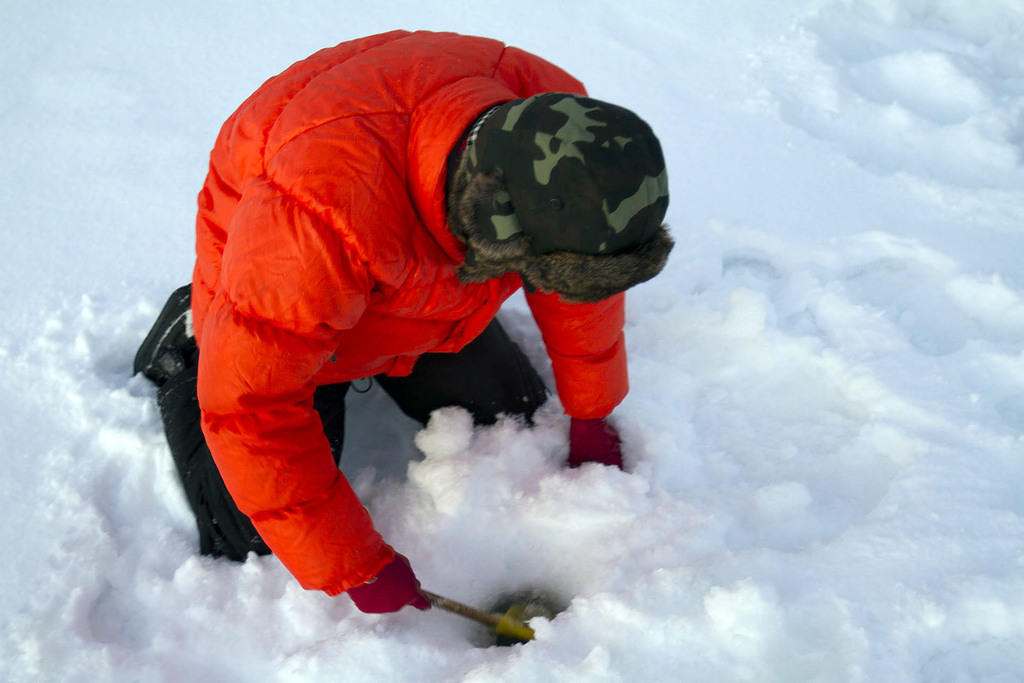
x=508, y=624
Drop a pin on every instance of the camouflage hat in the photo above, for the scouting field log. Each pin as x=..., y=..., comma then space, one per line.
x=579, y=175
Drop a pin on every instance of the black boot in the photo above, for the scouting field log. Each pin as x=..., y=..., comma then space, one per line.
x=170, y=345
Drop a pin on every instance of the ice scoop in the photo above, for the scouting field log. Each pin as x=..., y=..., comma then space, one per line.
x=507, y=622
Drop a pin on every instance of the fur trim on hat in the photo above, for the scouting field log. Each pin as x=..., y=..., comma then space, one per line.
x=575, y=276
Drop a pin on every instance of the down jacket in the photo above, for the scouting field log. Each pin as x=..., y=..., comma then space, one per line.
x=323, y=256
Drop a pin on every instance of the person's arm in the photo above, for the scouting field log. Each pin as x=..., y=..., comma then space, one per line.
x=256, y=396
x=588, y=357
x=286, y=290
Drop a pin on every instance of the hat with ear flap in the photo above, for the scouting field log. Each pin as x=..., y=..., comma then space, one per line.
x=566, y=190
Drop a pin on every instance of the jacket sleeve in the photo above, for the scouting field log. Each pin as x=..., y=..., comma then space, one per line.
x=587, y=349
x=285, y=291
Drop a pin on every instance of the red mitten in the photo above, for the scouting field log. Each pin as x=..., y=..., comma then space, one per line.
x=593, y=441
x=392, y=589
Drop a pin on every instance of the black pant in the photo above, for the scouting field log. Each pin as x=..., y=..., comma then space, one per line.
x=490, y=376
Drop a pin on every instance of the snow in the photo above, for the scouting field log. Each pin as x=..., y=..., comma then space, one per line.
x=825, y=431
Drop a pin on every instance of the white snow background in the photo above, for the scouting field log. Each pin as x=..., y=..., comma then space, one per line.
x=825, y=433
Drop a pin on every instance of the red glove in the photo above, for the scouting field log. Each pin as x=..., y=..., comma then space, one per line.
x=593, y=441
x=391, y=590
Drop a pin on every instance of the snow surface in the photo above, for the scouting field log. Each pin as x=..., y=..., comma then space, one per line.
x=824, y=434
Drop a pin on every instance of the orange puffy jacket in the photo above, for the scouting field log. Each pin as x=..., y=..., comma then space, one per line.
x=323, y=256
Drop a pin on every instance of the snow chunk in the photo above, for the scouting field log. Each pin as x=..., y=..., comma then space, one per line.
x=992, y=303
x=448, y=433
x=781, y=502
x=926, y=82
